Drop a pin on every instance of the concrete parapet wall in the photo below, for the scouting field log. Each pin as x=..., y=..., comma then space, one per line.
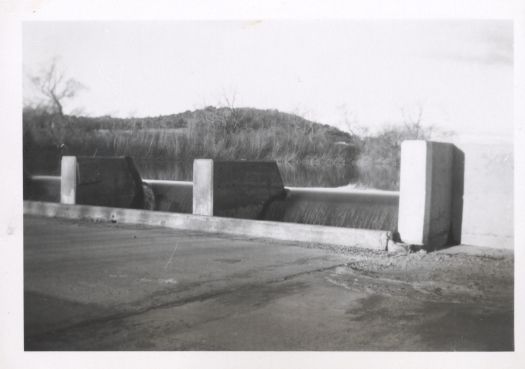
x=239, y=189
x=431, y=192
x=203, y=199
x=69, y=173
x=172, y=196
x=105, y=181
x=349, y=237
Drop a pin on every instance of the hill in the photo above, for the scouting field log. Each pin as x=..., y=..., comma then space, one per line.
x=217, y=133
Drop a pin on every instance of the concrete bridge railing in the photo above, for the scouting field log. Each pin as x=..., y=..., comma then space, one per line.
x=426, y=211
x=431, y=193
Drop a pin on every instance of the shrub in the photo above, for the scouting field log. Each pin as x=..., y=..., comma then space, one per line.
x=380, y=154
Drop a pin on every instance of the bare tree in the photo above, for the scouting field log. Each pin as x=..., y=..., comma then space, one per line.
x=55, y=87
x=231, y=122
x=413, y=121
x=349, y=119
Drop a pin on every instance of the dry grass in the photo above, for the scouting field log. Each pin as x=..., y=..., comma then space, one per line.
x=210, y=133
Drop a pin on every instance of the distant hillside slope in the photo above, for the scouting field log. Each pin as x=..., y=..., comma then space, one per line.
x=218, y=133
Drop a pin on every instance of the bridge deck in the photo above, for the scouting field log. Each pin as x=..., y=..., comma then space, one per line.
x=94, y=286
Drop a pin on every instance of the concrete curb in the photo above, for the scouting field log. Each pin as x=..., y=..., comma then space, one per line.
x=350, y=237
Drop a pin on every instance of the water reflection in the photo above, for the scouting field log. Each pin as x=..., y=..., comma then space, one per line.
x=382, y=177
x=379, y=177
x=293, y=175
x=318, y=175
x=170, y=170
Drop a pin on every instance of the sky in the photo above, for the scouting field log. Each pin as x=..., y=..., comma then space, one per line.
x=349, y=73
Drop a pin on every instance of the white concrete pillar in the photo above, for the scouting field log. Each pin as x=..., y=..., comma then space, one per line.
x=203, y=187
x=426, y=193
x=68, y=180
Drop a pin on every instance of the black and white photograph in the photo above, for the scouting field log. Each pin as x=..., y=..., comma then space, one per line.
x=267, y=185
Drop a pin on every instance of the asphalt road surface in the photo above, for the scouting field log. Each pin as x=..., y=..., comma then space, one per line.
x=99, y=286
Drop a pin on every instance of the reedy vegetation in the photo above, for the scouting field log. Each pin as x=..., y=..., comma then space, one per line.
x=224, y=134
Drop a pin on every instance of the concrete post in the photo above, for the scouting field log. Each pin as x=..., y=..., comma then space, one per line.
x=203, y=187
x=68, y=180
x=426, y=193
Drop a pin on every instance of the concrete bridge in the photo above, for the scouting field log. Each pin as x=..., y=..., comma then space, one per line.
x=426, y=212
x=103, y=273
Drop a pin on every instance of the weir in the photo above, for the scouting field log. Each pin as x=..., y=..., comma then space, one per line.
x=427, y=210
x=338, y=208
x=350, y=209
